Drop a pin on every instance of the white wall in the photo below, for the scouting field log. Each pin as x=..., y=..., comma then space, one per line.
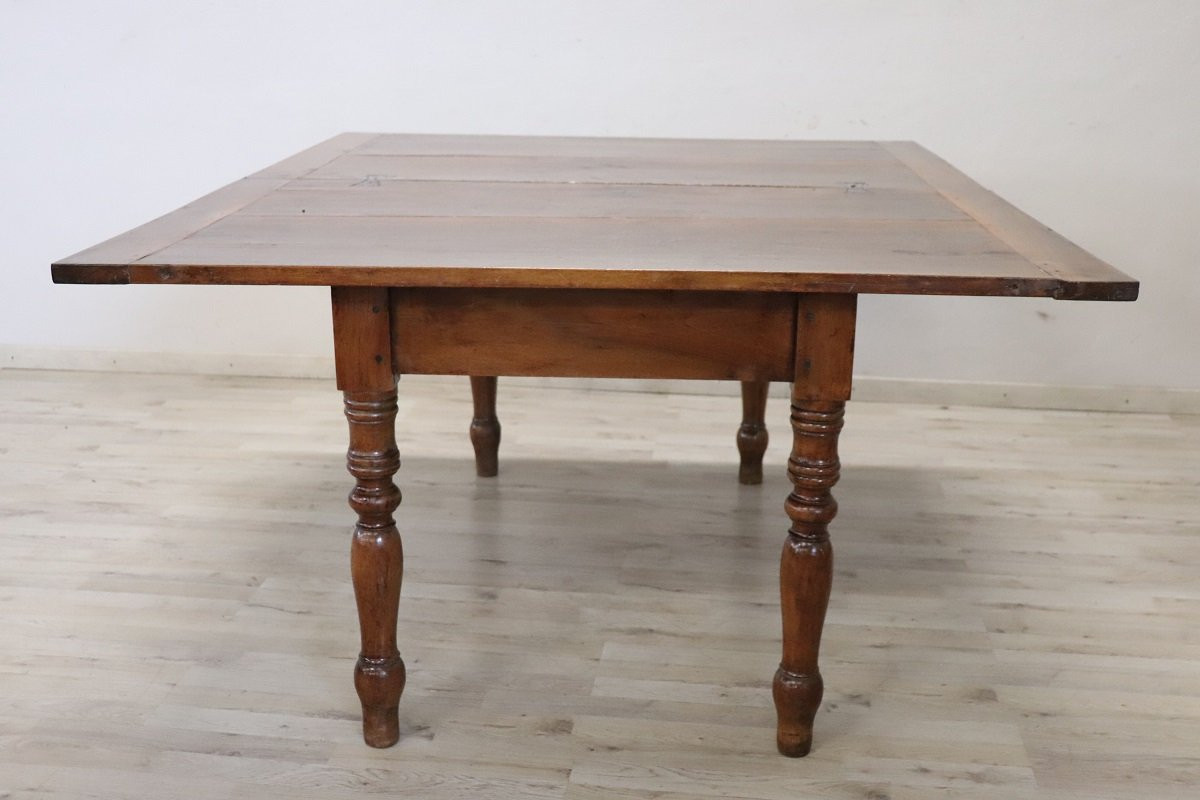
x=1085, y=114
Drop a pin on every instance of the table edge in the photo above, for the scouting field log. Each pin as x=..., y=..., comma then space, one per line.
x=128, y=260
x=583, y=279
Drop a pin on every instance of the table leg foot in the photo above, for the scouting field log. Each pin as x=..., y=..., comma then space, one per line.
x=376, y=560
x=752, y=433
x=797, y=698
x=806, y=570
x=485, y=427
x=379, y=683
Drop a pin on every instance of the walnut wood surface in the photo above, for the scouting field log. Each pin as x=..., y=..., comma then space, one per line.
x=752, y=433
x=362, y=341
x=362, y=348
x=376, y=561
x=423, y=210
x=824, y=361
x=601, y=334
x=485, y=426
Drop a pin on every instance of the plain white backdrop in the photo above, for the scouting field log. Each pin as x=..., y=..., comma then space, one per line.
x=1084, y=114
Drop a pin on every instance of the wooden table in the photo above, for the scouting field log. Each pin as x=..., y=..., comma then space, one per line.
x=631, y=258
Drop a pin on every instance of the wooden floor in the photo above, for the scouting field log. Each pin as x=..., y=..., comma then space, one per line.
x=1016, y=607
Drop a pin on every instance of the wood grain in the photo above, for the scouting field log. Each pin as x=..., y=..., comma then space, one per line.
x=752, y=436
x=362, y=341
x=376, y=561
x=825, y=326
x=485, y=426
x=145, y=240
x=528, y=212
x=422, y=198
x=362, y=349
x=1083, y=274
x=622, y=334
x=664, y=168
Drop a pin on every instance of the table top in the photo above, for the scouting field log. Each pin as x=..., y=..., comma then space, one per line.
x=365, y=209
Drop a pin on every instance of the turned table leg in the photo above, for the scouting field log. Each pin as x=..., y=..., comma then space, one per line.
x=362, y=346
x=485, y=427
x=806, y=570
x=824, y=352
x=752, y=433
x=376, y=561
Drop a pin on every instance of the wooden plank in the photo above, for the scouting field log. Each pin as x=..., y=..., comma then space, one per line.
x=616, y=147
x=508, y=199
x=635, y=171
x=1083, y=276
x=316, y=156
x=603, y=623
x=787, y=255
x=144, y=240
x=153, y=236
x=610, y=334
x=233, y=273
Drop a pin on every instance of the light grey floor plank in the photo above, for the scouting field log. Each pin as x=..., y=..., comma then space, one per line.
x=1015, y=610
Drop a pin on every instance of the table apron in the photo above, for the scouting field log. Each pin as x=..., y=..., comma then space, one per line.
x=746, y=336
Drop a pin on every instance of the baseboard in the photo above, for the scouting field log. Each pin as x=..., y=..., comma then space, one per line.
x=874, y=389
x=867, y=388
x=262, y=366
x=1136, y=399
